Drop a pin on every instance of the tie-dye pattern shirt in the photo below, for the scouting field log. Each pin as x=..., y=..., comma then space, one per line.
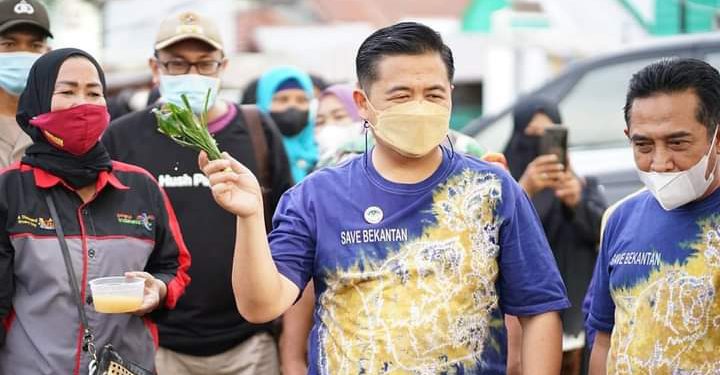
x=414, y=278
x=656, y=287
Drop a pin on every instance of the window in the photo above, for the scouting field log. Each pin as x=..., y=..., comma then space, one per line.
x=467, y=104
x=497, y=134
x=593, y=109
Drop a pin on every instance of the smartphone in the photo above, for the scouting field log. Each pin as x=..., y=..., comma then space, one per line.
x=554, y=141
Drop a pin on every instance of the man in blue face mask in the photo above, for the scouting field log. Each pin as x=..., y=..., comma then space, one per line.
x=204, y=334
x=24, y=29
x=655, y=299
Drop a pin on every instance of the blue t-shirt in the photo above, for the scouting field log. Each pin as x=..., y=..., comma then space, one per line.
x=414, y=278
x=656, y=287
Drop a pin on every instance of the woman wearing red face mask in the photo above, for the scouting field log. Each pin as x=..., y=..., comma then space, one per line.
x=115, y=219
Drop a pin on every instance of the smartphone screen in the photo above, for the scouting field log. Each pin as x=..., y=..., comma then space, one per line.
x=554, y=141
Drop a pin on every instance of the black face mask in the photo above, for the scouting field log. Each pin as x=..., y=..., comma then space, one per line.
x=521, y=150
x=291, y=121
x=529, y=144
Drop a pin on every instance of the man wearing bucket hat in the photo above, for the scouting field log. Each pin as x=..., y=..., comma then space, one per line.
x=204, y=334
x=24, y=29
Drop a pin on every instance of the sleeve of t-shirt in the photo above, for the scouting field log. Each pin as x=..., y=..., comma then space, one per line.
x=529, y=282
x=589, y=331
x=602, y=307
x=292, y=240
x=170, y=259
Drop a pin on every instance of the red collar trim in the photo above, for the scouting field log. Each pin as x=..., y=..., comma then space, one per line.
x=46, y=180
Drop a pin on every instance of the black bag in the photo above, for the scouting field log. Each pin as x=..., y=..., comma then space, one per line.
x=253, y=120
x=107, y=361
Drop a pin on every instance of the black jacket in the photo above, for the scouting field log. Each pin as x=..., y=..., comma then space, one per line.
x=574, y=236
x=205, y=321
x=573, y=233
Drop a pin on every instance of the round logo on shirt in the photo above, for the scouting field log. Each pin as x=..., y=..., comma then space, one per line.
x=373, y=215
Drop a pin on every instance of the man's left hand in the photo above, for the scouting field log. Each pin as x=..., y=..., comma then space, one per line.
x=569, y=189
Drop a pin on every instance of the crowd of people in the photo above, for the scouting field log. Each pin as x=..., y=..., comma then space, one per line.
x=346, y=229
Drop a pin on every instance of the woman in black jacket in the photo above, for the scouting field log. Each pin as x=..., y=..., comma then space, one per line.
x=570, y=208
x=115, y=220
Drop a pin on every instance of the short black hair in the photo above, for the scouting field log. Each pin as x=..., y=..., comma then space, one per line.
x=405, y=38
x=676, y=75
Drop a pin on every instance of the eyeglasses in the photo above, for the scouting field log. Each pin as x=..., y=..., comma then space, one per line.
x=204, y=67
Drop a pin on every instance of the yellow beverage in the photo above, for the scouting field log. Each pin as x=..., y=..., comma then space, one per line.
x=116, y=304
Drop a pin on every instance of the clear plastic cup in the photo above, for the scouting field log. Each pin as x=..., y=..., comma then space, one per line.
x=120, y=294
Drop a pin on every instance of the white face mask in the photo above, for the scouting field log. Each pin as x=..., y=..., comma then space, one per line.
x=674, y=189
x=331, y=136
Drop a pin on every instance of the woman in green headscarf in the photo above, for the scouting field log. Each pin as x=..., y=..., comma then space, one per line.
x=285, y=93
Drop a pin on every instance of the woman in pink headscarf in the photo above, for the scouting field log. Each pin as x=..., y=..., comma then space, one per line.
x=337, y=121
x=336, y=106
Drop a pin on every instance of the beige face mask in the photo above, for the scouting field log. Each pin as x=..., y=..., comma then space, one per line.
x=413, y=129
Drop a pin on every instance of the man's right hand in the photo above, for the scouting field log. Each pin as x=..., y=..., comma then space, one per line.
x=233, y=185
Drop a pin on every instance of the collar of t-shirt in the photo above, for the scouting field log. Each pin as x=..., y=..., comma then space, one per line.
x=431, y=182
x=696, y=205
x=221, y=122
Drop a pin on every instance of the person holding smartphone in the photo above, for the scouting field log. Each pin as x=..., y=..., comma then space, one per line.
x=570, y=208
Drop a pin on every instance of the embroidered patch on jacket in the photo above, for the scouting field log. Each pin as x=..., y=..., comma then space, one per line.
x=144, y=220
x=36, y=222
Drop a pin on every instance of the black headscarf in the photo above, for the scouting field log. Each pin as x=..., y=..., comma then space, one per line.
x=522, y=148
x=77, y=171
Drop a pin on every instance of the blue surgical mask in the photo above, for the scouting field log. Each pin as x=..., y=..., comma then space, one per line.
x=14, y=70
x=194, y=86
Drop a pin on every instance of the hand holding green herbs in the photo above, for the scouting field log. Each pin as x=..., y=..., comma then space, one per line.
x=186, y=128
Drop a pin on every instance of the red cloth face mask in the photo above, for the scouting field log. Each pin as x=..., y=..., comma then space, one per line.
x=75, y=130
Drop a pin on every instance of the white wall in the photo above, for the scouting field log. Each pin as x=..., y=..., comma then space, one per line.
x=75, y=23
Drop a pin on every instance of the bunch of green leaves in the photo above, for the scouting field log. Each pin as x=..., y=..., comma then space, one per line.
x=187, y=129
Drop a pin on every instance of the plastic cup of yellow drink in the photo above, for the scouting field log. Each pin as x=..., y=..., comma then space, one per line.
x=115, y=295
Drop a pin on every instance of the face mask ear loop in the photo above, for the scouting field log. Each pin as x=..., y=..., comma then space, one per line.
x=713, y=145
x=366, y=125
x=452, y=147
x=713, y=142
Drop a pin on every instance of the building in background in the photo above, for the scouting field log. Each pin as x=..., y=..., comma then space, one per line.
x=502, y=47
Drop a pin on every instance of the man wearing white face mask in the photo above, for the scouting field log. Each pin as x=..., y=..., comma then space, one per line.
x=24, y=29
x=204, y=334
x=415, y=251
x=656, y=293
